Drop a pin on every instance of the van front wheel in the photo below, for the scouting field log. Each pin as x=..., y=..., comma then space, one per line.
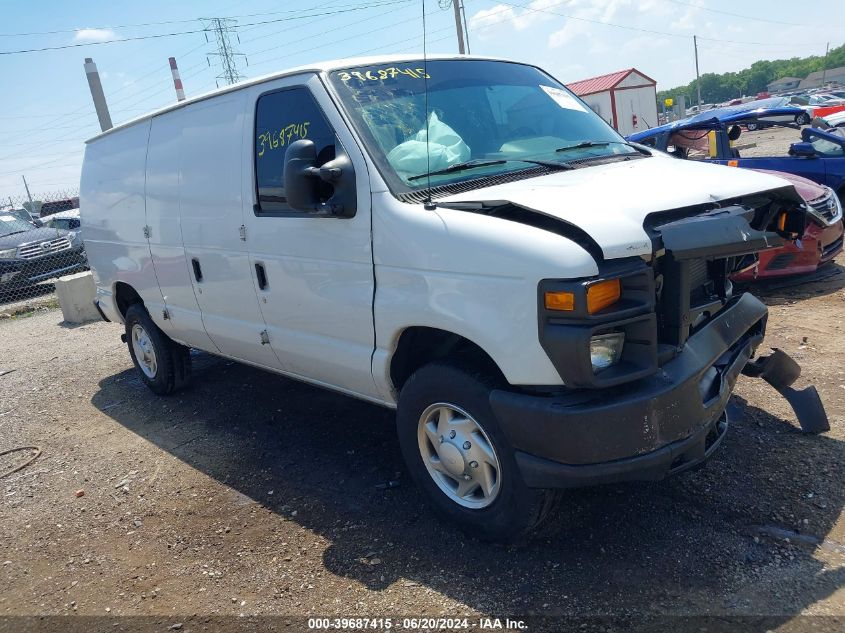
x=460, y=459
x=163, y=364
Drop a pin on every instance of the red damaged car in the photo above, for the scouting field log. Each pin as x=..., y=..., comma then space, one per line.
x=822, y=240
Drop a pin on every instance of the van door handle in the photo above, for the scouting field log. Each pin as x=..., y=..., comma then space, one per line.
x=261, y=275
x=195, y=263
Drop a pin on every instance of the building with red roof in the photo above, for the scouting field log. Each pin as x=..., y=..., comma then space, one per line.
x=627, y=99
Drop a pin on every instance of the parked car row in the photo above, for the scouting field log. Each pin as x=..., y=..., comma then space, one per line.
x=32, y=251
x=809, y=104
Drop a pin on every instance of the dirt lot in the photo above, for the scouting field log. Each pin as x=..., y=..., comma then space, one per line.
x=252, y=494
x=773, y=141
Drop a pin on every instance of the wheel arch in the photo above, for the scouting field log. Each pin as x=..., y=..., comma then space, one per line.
x=124, y=296
x=417, y=346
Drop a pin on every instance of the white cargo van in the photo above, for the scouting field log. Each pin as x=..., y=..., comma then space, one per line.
x=462, y=239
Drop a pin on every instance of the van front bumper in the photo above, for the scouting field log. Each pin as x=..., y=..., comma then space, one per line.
x=645, y=430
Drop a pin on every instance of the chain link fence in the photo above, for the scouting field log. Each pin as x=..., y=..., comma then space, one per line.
x=40, y=240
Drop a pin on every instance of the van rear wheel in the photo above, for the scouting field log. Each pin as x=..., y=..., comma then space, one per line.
x=458, y=456
x=163, y=364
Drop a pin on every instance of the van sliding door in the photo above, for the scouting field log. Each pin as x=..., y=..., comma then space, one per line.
x=211, y=211
x=184, y=322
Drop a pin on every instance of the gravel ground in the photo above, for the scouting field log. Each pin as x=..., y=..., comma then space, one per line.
x=773, y=141
x=251, y=494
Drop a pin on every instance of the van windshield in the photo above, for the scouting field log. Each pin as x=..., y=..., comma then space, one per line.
x=484, y=118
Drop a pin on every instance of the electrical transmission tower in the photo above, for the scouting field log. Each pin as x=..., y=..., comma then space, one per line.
x=222, y=28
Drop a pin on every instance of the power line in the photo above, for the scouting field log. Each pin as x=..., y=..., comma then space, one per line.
x=98, y=28
x=627, y=27
x=735, y=15
x=334, y=41
x=81, y=44
x=330, y=4
x=176, y=33
x=48, y=127
x=162, y=23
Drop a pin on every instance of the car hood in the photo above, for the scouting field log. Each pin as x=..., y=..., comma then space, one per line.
x=35, y=235
x=805, y=187
x=610, y=202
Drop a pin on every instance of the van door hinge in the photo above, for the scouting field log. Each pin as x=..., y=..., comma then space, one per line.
x=264, y=337
x=147, y=231
x=242, y=232
x=165, y=314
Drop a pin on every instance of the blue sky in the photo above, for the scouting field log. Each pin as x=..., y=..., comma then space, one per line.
x=47, y=111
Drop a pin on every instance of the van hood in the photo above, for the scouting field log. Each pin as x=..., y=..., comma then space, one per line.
x=610, y=202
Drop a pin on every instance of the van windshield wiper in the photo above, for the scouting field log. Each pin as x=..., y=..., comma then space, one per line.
x=484, y=162
x=586, y=144
x=467, y=164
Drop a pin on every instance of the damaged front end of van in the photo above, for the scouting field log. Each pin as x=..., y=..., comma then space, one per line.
x=651, y=348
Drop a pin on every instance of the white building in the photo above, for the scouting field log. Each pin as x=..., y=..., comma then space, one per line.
x=626, y=99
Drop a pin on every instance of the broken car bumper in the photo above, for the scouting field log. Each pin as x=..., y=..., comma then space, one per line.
x=644, y=430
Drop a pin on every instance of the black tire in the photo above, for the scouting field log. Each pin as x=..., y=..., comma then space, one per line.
x=802, y=119
x=173, y=361
x=516, y=510
x=751, y=127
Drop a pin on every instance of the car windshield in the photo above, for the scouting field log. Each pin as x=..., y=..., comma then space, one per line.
x=484, y=118
x=10, y=224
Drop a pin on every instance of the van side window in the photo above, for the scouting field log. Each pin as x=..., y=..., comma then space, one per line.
x=281, y=118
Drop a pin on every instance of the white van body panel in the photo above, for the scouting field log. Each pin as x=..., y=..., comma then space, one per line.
x=318, y=304
x=211, y=210
x=112, y=183
x=472, y=275
x=613, y=215
x=168, y=253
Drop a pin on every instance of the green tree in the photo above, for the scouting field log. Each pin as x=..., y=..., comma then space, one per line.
x=716, y=88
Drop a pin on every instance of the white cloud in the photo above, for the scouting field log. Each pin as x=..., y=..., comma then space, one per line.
x=688, y=20
x=586, y=13
x=487, y=18
x=94, y=35
x=483, y=22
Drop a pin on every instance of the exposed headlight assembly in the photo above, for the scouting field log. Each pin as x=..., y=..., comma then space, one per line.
x=822, y=212
x=605, y=350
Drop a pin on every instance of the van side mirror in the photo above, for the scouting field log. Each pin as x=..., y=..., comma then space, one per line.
x=303, y=187
x=803, y=150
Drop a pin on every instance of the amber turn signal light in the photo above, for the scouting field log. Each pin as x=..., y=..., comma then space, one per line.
x=603, y=294
x=560, y=301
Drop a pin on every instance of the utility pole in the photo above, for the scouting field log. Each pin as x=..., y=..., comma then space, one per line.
x=697, y=78
x=222, y=28
x=824, y=64
x=457, y=6
x=466, y=25
x=458, y=28
x=97, y=94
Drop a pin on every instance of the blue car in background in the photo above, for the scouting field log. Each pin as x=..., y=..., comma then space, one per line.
x=819, y=155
